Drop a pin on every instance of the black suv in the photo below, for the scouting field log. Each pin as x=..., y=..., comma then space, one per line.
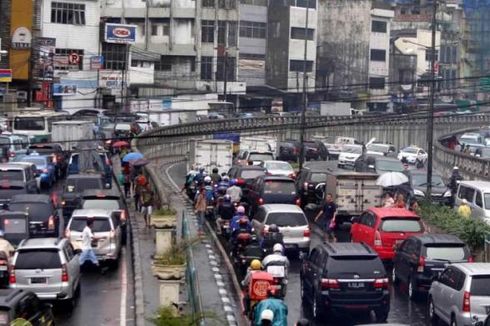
x=288, y=150
x=315, y=150
x=271, y=190
x=309, y=177
x=420, y=258
x=42, y=214
x=245, y=175
x=74, y=186
x=338, y=277
x=16, y=303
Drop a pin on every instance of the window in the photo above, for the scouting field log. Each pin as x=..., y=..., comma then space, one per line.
x=478, y=199
x=165, y=64
x=67, y=13
x=38, y=212
x=297, y=65
x=378, y=55
x=166, y=29
x=376, y=83
x=251, y=174
x=208, y=3
x=221, y=32
x=298, y=33
x=480, y=285
x=378, y=26
x=206, y=68
x=303, y=3
x=254, y=2
x=445, y=252
x=368, y=220
x=227, y=4
x=401, y=225
x=154, y=29
x=466, y=193
x=252, y=29
x=287, y=219
x=230, y=69
x=207, y=31
x=114, y=56
x=101, y=224
x=428, y=54
x=232, y=33
x=61, y=61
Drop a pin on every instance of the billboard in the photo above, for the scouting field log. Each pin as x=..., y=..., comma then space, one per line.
x=120, y=33
x=96, y=62
x=21, y=15
x=44, y=52
x=112, y=79
x=5, y=75
x=64, y=90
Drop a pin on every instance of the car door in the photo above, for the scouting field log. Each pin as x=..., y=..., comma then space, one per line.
x=399, y=263
x=251, y=195
x=116, y=226
x=447, y=284
x=70, y=262
x=31, y=182
x=307, y=273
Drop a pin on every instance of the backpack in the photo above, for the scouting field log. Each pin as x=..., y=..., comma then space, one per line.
x=209, y=194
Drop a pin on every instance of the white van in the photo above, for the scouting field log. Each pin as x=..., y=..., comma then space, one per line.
x=477, y=193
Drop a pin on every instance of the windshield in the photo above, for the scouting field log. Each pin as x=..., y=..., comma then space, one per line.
x=389, y=165
x=420, y=180
x=12, y=175
x=352, y=149
x=318, y=177
x=15, y=225
x=487, y=200
x=348, y=266
x=29, y=123
x=38, y=259
x=79, y=185
x=284, y=166
x=279, y=187
x=37, y=211
x=260, y=157
x=38, y=161
x=101, y=224
x=378, y=148
x=109, y=204
x=469, y=140
x=401, y=225
x=445, y=252
x=251, y=174
x=410, y=150
x=286, y=219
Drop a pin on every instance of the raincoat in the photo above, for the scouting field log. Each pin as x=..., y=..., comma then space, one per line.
x=277, y=306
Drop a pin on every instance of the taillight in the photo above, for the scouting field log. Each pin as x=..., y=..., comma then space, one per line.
x=12, y=278
x=64, y=273
x=240, y=182
x=471, y=259
x=67, y=233
x=466, y=302
x=305, y=186
x=11, y=154
x=377, y=239
x=307, y=233
x=328, y=283
x=260, y=201
x=381, y=283
x=421, y=265
x=297, y=202
x=51, y=222
x=3, y=262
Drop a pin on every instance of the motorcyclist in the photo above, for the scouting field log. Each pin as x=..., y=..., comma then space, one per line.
x=225, y=212
x=266, y=317
x=453, y=182
x=199, y=177
x=240, y=212
x=215, y=177
x=255, y=266
x=222, y=186
x=235, y=192
x=277, y=257
x=208, y=187
x=270, y=238
x=276, y=305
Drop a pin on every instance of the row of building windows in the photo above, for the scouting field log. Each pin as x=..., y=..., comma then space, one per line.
x=224, y=28
x=67, y=13
x=221, y=68
x=224, y=4
x=262, y=3
x=299, y=65
x=252, y=29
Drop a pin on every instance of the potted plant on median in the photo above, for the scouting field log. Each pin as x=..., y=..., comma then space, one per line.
x=168, y=316
x=164, y=217
x=171, y=264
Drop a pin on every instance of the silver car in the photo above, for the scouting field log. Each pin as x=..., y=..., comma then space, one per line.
x=106, y=228
x=291, y=221
x=48, y=267
x=460, y=295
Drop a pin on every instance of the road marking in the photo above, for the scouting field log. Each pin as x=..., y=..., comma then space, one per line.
x=168, y=175
x=124, y=288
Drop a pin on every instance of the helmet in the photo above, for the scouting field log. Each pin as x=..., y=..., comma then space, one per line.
x=227, y=198
x=215, y=170
x=204, y=173
x=207, y=179
x=255, y=265
x=277, y=248
x=267, y=314
x=455, y=168
x=226, y=178
x=223, y=174
x=240, y=210
x=273, y=228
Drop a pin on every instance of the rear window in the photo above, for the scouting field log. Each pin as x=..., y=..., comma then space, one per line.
x=79, y=185
x=38, y=161
x=38, y=259
x=347, y=266
x=260, y=157
x=37, y=211
x=279, y=187
x=12, y=175
x=446, y=252
x=251, y=174
x=14, y=226
x=401, y=225
x=109, y=204
x=286, y=219
x=480, y=285
x=318, y=177
x=101, y=224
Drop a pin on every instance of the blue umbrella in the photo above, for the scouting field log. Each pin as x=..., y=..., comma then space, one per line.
x=132, y=156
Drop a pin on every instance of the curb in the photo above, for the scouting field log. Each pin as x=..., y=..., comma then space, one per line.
x=138, y=279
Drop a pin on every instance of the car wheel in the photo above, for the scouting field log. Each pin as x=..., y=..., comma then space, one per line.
x=434, y=319
x=394, y=278
x=453, y=321
x=382, y=315
x=412, y=289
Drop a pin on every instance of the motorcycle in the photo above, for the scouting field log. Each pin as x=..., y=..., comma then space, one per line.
x=4, y=270
x=257, y=291
x=279, y=274
x=247, y=254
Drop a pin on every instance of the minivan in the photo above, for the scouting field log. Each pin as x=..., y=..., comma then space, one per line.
x=18, y=172
x=477, y=194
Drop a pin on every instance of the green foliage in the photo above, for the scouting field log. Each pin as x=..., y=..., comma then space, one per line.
x=472, y=231
x=166, y=316
x=165, y=211
x=177, y=253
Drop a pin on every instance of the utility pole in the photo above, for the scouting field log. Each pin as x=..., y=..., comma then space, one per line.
x=305, y=96
x=432, y=90
x=225, y=77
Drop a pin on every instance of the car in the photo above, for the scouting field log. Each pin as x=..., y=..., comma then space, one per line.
x=378, y=164
x=45, y=167
x=17, y=174
x=460, y=295
x=105, y=161
x=291, y=221
x=271, y=190
x=315, y=150
x=49, y=267
x=256, y=157
x=477, y=194
x=385, y=228
x=312, y=175
x=412, y=154
x=280, y=168
x=349, y=155
x=106, y=228
x=59, y=156
x=43, y=214
x=16, y=303
x=419, y=258
x=244, y=175
x=74, y=185
x=344, y=277
x=288, y=150
x=381, y=149
x=14, y=145
x=440, y=193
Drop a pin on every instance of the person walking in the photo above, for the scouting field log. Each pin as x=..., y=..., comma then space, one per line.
x=88, y=253
x=147, y=199
x=140, y=182
x=464, y=209
x=329, y=211
x=388, y=201
x=400, y=201
x=200, y=209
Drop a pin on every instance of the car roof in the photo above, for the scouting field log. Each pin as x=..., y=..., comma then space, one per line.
x=250, y=167
x=84, y=176
x=275, y=161
x=348, y=249
x=35, y=243
x=392, y=212
x=31, y=198
x=421, y=172
x=276, y=178
x=438, y=238
x=101, y=192
x=483, y=185
x=317, y=166
x=474, y=268
x=289, y=208
x=92, y=212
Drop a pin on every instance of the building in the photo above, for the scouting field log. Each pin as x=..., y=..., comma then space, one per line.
x=379, y=57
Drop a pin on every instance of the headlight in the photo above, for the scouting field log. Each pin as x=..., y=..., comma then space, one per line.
x=417, y=192
x=448, y=193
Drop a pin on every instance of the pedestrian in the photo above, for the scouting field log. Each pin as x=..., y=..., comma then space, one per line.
x=140, y=182
x=414, y=206
x=147, y=202
x=215, y=176
x=88, y=253
x=200, y=209
x=400, y=201
x=388, y=201
x=464, y=210
x=329, y=211
x=453, y=183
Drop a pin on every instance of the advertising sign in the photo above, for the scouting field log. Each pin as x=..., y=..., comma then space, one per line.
x=119, y=33
x=5, y=75
x=96, y=62
x=64, y=90
x=44, y=58
x=21, y=15
x=112, y=79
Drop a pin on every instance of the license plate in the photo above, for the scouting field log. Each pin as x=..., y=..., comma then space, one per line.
x=356, y=285
x=38, y=280
x=3, y=268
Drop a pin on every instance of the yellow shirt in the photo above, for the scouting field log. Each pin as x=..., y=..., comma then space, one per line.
x=464, y=211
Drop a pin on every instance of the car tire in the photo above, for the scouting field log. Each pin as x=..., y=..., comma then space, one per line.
x=316, y=312
x=382, y=315
x=433, y=318
x=412, y=289
x=394, y=279
x=453, y=321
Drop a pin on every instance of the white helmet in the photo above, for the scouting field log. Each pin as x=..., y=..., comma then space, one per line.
x=240, y=210
x=267, y=314
x=277, y=248
x=207, y=179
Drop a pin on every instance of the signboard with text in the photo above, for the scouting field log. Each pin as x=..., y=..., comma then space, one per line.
x=96, y=62
x=120, y=33
x=112, y=79
x=5, y=75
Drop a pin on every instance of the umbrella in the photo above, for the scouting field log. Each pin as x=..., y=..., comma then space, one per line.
x=390, y=179
x=120, y=143
x=133, y=156
x=140, y=162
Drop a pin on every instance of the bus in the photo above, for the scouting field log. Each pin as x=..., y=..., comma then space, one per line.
x=37, y=124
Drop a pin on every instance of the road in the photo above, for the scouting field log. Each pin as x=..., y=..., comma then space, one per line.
x=105, y=300
x=402, y=310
